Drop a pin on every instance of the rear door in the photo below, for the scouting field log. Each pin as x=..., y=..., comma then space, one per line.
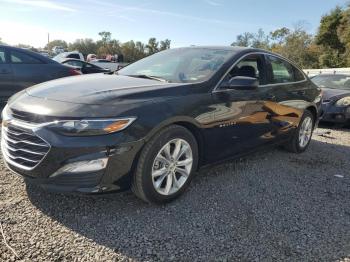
x=289, y=87
x=6, y=76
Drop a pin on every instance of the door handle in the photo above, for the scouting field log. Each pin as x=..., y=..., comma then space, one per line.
x=301, y=92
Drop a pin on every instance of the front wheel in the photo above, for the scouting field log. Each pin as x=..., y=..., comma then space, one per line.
x=301, y=139
x=166, y=165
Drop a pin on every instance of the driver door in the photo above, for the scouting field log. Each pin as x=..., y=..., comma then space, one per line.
x=242, y=117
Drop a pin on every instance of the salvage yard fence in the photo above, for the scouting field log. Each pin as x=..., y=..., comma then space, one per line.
x=313, y=72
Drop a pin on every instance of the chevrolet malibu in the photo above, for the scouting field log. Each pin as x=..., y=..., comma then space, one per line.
x=153, y=124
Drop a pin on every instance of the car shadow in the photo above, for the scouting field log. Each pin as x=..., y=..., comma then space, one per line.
x=271, y=205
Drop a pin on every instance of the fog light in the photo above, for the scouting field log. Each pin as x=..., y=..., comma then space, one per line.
x=339, y=117
x=83, y=166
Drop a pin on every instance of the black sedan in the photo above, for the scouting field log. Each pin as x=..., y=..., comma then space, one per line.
x=336, y=97
x=20, y=68
x=157, y=121
x=84, y=67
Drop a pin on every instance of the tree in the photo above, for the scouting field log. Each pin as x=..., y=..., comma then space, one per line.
x=257, y=40
x=85, y=46
x=27, y=47
x=299, y=47
x=106, y=37
x=165, y=44
x=1, y=42
x=244, y=39
x=261, y=40
x=333, y=48
x=133, y=51
x=53, y=43
x=279, y=35
x=152, y=46
x=107, y=45
x=343, y=32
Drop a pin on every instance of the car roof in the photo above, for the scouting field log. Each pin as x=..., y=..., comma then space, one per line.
x=74, y=59
x=35, y=54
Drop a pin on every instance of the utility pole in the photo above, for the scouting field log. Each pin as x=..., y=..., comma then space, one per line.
x=48, y=38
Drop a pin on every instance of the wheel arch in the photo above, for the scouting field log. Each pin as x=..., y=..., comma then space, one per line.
x=191, y=125
x=313, y=111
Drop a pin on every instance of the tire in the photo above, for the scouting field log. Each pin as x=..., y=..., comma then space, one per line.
x=294, y=145
x=151, y=188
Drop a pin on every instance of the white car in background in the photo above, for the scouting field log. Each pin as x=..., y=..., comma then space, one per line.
x=112, y=66
x=65, y=55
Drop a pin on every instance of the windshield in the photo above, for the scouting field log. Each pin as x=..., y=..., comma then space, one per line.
x=332, y=81
x=185, y=65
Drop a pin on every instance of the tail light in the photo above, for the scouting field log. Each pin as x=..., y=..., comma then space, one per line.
x=74, y=72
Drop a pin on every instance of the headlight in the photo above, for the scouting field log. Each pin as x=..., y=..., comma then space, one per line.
x=90, y=127
x=345, y=101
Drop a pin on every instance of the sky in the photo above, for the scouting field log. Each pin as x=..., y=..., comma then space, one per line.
x=184, y=22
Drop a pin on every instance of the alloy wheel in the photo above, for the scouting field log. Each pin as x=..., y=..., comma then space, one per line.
x=305, y=132
x=172, y=166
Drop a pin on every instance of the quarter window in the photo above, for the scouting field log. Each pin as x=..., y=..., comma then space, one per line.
x=282, y=72
x=22, y=58
x=299, y=76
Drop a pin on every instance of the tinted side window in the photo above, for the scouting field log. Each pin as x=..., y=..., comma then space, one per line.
x=75, y=63
x=299, y=76
x=2, y=56
x=22, y=58
x=251, y=66
x=76, y=56
x=282, y=72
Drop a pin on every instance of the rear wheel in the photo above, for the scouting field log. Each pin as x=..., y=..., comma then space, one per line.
x=302, y=136
x=166, y=165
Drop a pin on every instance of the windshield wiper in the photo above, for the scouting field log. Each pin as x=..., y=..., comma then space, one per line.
x=150, y=77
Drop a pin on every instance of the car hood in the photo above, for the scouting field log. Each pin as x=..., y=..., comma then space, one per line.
x=331, y=93
x=104, y=89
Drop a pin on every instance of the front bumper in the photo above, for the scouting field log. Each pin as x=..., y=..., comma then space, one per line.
x=117, y=148
x=335, y=114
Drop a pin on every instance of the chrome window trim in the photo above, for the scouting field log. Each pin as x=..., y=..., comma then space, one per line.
x=215, y=90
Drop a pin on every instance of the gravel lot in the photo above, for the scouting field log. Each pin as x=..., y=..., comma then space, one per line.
x=272, y=205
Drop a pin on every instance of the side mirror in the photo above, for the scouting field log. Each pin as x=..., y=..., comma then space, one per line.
x=242, y=83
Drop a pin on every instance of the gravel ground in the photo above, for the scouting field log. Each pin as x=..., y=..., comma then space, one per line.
x=272, y=205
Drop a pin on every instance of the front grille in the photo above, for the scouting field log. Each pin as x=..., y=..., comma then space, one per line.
x=30, y=117
x=21, y=147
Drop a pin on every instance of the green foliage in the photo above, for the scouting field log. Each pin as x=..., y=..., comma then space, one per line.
x=27, y=47
x=53, y=43
x=152, y=46
x=296, y=44
x=131, y=50
x=165, y=44
x=244, y=40
x=280, y=35
x=85, y=46
x=332, y=38
x=330, y=47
